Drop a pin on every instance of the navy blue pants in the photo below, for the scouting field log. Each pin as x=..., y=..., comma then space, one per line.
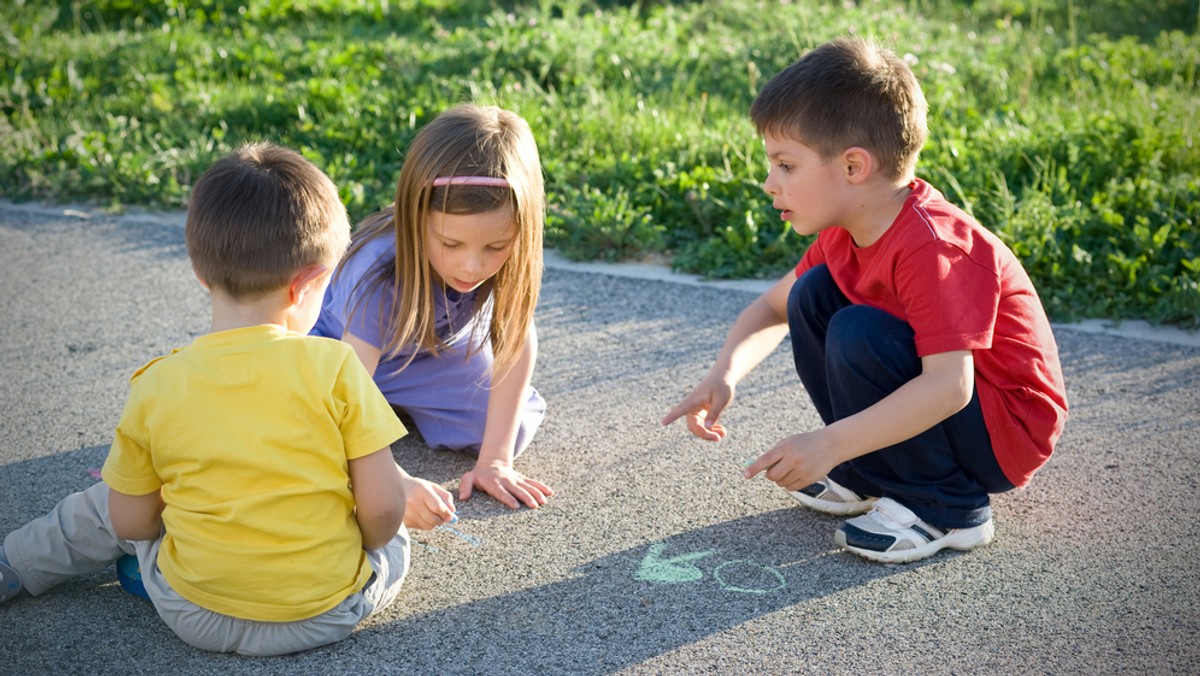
x=851, y=356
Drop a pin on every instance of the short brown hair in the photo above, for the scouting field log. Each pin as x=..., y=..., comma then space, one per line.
x=845, y=93
x=258, y=216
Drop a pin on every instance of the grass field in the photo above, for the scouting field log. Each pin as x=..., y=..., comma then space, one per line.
x=1068, y=128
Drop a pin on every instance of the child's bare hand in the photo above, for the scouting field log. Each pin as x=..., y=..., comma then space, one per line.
x=702, y=407
x=795, y=462
x=427, y=504
x=506, y=484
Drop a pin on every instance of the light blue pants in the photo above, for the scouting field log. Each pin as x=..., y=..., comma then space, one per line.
x=77, y=537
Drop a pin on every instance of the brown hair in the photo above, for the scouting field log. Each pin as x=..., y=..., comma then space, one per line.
x=845, y=93
x=466, y=140
x=259, y=215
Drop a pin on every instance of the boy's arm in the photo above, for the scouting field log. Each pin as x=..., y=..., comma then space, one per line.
x=135, y=517
x=757, y=332
x=944, y=387
x=494, y=471
x=378, y=497
x=427, y=504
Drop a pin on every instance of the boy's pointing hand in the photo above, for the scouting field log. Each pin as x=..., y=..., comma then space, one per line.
x=795, y=462
x=701, y=409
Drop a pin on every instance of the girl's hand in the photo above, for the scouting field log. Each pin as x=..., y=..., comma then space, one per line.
x=506, y=484
x=427, y=505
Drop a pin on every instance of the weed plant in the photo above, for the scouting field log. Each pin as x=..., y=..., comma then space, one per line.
x=1068, y=128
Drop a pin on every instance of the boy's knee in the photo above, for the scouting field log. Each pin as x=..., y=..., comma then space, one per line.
x=809, y=290
x=858, y=322
x=861, y=333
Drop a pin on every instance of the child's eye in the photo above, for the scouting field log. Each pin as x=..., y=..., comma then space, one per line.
x=785, y=167
x=450, y=245
x=497, y=247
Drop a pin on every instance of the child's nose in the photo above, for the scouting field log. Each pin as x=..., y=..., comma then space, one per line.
x=769, y=186
x=473, y=263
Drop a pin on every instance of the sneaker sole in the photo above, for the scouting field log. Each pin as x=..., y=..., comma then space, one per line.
x=961, y=540
x=836, y=508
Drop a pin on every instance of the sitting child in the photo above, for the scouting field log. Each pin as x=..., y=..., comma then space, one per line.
x=251, y=472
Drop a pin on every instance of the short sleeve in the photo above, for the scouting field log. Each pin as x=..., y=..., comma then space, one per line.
x=950, y=299
x=813, y=256
x=368, y=422
x=353, y=303
x=129, y=468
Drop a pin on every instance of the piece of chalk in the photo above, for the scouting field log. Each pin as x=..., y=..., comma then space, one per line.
x=469, y=539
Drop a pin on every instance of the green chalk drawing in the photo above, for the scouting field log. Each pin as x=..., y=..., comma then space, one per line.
x=673, y=570
x=752, y=577
x=779, y=581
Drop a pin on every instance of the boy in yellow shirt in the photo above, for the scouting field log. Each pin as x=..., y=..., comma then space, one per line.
x=251, y=472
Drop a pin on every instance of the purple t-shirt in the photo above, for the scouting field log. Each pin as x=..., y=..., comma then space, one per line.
x=455, y=316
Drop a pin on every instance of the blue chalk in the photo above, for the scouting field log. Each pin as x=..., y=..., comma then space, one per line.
x=470, y=539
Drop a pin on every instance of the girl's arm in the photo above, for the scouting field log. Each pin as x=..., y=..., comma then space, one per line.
x=493, y=471
x=378, y=497
x=757, y=332
x=135, y=517
x=367, y=353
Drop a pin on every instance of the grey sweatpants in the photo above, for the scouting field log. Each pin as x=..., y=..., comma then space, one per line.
x=77, y=537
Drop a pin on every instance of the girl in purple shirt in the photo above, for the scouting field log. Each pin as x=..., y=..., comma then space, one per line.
x=437, y=296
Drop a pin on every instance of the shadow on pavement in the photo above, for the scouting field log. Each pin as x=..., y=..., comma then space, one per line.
x=622, y=609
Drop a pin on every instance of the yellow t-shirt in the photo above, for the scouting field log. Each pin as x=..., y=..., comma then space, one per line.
x=248, y=433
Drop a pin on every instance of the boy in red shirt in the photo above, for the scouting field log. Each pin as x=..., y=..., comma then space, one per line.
x=915, y=331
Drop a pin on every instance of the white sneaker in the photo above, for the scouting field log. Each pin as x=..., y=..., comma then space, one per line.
x=832, y=498
x=891, y=533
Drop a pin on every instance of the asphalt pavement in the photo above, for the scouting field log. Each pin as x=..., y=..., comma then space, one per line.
x=655, y=556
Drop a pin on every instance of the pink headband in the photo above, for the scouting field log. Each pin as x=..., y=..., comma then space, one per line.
x=490, y=181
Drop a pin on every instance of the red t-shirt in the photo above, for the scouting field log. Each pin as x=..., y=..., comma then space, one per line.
x=960, y=288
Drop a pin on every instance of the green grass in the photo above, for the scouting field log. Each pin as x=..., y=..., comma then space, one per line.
x=1068, y=128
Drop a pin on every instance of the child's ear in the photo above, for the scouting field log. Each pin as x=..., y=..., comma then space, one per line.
x=199, y=278
x=304, y=280
x=859, y=164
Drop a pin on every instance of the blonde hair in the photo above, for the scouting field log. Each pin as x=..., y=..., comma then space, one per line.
x=845, y=93
x=259, y=215
x=466, y=140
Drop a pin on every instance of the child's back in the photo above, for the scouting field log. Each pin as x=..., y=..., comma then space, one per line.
x=250, y=430
x=956, y=285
